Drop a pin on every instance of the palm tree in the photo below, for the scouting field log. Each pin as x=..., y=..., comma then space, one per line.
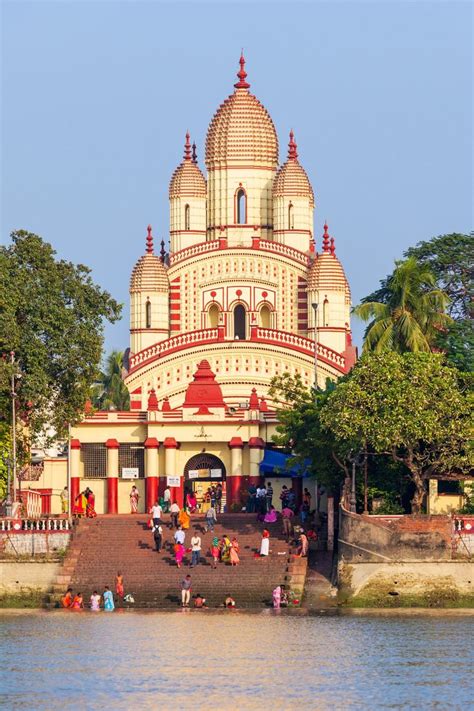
x=408, y=313
x=109, y=392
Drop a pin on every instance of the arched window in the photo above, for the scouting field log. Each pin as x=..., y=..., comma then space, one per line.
x=240, y=319
x=213, y=316
x=241, y=207
x=291, y=217
x=187, y=217
x=148, y=313
x=265, y=317
x=326, y=313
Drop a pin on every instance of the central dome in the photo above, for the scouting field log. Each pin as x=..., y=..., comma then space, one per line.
x=242, y=131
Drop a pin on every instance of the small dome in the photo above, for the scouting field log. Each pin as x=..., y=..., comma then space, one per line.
x=291, y=179
x=242, y=130
x=326, y=271
x=149, y=273
x=188, y=180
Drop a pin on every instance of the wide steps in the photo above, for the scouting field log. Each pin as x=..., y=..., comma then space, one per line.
x=103, y=546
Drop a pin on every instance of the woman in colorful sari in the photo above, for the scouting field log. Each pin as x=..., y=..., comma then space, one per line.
x=179, y=553
x=277, y=597
x=225, y=546
x=191, y=502
x=234, y=552
x=215, y=551
x=271, y=516
x=108, y=599
x=90, y=506
x=134, y=499
x=78, y=602
x=184, y=519
x=265, y=544
x=80, y=505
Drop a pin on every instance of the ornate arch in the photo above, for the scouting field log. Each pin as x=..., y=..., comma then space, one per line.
x=203, y=461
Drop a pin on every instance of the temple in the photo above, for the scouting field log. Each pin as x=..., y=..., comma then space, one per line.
x=244, y=294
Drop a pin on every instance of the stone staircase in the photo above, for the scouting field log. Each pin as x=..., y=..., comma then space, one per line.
x=103, y=546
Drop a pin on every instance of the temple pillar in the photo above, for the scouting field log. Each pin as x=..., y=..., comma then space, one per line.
x=171, y=445
x=151, y=471
x=234, y=476
x=112, y=475
x=74, y=472
x=256, y=447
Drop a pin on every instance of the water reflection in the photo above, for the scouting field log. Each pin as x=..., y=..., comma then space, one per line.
x=235, y=660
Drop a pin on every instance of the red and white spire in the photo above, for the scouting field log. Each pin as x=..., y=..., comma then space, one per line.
x=242, y=74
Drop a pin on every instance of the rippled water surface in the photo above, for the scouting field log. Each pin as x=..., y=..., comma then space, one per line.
x=232, y=660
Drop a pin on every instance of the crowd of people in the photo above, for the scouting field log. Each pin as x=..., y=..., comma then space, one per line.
x=96, y=602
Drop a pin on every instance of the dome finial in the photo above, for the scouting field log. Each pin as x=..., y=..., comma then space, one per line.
x=242, y=74
x=149, y=240
x=326, y=238
x=195, y=158
x=187, y=147
x=292, y=152
x=332, y=248
x=162, y=251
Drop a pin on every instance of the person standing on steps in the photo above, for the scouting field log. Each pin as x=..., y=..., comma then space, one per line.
x=252, y=498
x=167, y=499
x=287, y=515
x=218, y=497
x=156, y=512
x=211, y=519
x=269, y=494
x=284, y=496
x=186, y=591
x=265, y=543
x=174, y=513
x=215, y=551
x=134, y=499
x=158, y=537
x=119, y=587
x=213, y=496
x=234, y=552
x=195, y=550
x=64, y=496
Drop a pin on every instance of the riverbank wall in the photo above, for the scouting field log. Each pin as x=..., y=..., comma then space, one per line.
x=402, y=561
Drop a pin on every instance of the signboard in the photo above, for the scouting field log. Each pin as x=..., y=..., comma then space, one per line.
x=216, y=473
x=173, y=481
x=130, y=472
x=193, y=473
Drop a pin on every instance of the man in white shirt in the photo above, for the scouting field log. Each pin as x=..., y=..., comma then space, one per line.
x=195, y=550
x=179, y=536
x=156, y=513
x=167, y=498
x=174, y=512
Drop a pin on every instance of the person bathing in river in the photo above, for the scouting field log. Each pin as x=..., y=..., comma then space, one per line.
x=119, y=586
x=108, y=598
x=95, y=601
x=66, y=600
x=78, y=602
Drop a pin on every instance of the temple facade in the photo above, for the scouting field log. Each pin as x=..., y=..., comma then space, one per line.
x=243, y=294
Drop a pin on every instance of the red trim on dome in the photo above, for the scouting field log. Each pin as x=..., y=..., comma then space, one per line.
x=292, y=147
x=149, y=240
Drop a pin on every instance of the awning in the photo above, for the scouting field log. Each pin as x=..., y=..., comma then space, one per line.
x=274, y=463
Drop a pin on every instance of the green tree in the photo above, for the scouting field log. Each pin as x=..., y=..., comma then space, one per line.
x=411, y=406
x=52, y=315
x=406, y=313
x=300, y=432
x=109, y=390
x=451, y=259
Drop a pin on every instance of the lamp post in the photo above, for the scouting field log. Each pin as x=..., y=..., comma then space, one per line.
x=13, y=394
x=315, y=308
x=355, y=459
x=8, y=498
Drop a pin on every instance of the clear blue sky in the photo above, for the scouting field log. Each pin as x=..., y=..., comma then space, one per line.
x=97, y=97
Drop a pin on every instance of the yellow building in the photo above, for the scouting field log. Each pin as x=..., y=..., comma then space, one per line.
x=242, y=296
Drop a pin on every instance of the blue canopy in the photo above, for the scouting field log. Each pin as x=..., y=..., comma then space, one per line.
x=274, y=463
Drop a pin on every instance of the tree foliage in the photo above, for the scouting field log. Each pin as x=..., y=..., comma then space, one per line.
x=109, y=390
x=300, y=430
x=409, y=405
x=52, y=316
x=450, y=258
x=406, y=313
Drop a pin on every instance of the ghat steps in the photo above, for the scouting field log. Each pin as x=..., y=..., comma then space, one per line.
x=103, y=546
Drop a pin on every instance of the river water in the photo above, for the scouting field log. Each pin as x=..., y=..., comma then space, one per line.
x=235, y=660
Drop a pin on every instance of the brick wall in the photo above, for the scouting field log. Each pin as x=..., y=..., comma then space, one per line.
x=33, y=543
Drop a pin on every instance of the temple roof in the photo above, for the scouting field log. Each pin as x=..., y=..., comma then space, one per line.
x=149, y=273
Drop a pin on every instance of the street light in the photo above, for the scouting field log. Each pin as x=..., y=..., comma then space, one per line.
x=356, y=460
x=315, y=307
x=8, y=498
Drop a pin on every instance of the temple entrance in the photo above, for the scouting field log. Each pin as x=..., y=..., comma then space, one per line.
x=201, y=472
